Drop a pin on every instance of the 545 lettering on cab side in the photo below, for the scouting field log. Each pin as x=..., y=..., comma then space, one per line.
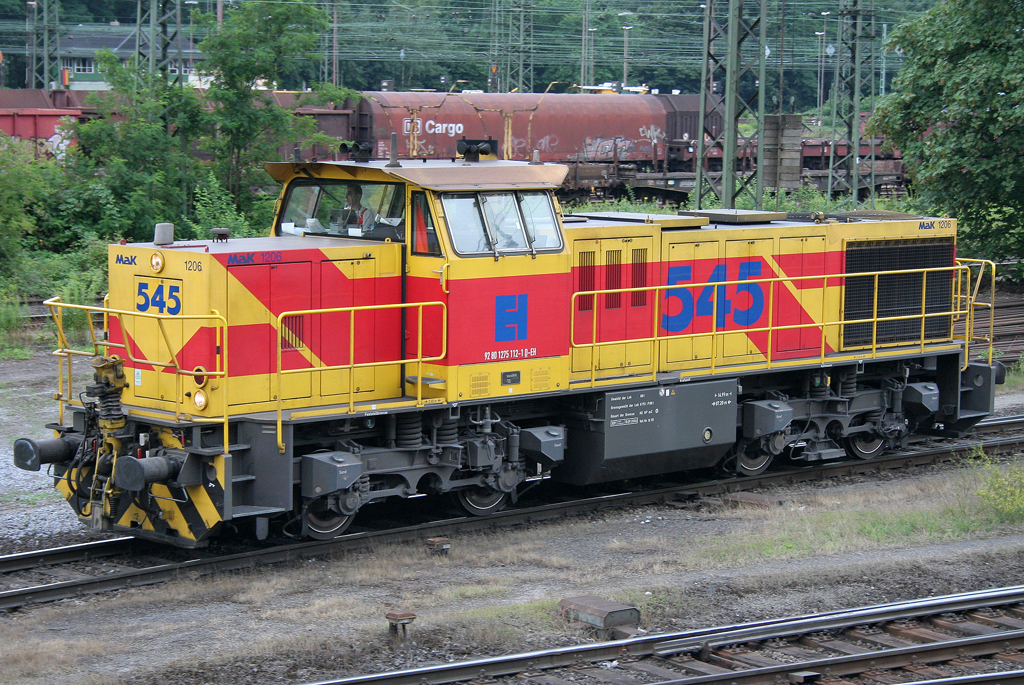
x=158, y=295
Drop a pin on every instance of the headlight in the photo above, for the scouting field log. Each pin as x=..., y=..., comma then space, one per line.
x=199, y=399
x=156, y=262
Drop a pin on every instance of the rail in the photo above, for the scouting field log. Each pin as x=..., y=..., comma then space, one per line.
x=352, y=365
x=66, y=354
x=960, y=305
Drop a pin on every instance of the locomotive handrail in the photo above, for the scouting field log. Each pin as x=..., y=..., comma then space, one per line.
x=989, y=267
x=957, y=272
x=66, y=352
x=351, y=366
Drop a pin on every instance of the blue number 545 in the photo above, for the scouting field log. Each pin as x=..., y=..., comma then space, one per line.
x=169, y=303
x=713, y=299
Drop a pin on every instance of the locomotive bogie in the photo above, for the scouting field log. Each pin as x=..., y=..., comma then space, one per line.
x=440, y=328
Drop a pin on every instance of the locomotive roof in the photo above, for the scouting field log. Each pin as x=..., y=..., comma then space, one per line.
x=433, y=173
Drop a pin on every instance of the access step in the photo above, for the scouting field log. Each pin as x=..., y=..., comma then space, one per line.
x=245, y=511
x=215, y=451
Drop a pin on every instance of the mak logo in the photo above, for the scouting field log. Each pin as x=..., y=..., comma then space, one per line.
x=241, y=259
x=510, y=317
x=124, y=259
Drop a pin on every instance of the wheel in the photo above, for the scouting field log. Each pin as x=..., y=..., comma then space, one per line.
x=752, y=461
x=323, y=523
x=864, y=445
x=481, y=501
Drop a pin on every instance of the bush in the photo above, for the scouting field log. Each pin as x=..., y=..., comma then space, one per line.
x=215, y=209
x=1002, y=493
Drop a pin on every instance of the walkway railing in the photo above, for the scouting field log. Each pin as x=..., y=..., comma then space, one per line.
x=963, y=302
x=419, y=359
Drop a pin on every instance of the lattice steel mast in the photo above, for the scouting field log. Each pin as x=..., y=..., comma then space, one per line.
x=855, y=89
x=43, y=43
x=495, y=55
x=743, y=32
x=158, y=38
x=519, y=66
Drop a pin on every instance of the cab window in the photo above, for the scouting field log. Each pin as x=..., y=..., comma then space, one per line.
x=501, y=223
x=421, y=228
x=327, y=207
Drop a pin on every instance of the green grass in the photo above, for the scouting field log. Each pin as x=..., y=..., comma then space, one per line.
x=978, y=499
x=14, y=337
x=1014, y=379
x=30, y=498
x=474, y=592
x=538, y=614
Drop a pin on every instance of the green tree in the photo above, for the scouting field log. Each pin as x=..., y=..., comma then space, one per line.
x=22, y=183
x=133, y=165
x=258, y=45
x=958, y=117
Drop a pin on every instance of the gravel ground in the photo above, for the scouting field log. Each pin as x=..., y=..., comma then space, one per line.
x=323, y=618
x=33, y=514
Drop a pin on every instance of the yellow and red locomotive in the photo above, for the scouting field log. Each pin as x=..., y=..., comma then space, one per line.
x=441, y=327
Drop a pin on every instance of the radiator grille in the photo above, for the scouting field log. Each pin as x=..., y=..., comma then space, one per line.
x=898, y=294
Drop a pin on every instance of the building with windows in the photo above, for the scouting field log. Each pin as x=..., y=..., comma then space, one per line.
x=80, y=45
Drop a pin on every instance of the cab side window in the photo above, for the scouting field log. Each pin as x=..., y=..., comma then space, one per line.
x=424, y=235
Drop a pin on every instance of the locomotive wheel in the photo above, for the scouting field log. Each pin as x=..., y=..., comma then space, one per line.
x=864, y=445
x=481, y=501
x=323, y=523
x=751, y=462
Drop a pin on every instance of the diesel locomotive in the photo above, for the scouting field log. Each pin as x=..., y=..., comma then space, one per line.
x=444, y=327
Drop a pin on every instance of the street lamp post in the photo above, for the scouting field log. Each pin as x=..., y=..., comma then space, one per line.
x=625, y=55
x=583, y=45
x=191, y=45
x=821, y=58
x=590, y=57
x=821, y=62
x=625, y=48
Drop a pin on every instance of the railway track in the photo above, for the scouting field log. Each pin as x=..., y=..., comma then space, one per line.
x=61, y=573
x=1009, y=330
x=972, y=637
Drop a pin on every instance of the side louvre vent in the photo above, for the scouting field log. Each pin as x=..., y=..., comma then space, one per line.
x=898, y=294
x=587, y=276
x=639, y=277
x=479, y=385
x=292, y=333
x=540, y=379
x=613, y=278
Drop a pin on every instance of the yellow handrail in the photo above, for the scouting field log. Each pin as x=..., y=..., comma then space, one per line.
x=351, y=366
x=104, y=348
x=825, y=323
x=985, y=266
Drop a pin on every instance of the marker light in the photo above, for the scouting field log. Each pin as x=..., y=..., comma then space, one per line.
x=156, y=262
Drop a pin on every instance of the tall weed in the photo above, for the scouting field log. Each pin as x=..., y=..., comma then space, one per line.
x=1002, y=493
x=14, y=336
